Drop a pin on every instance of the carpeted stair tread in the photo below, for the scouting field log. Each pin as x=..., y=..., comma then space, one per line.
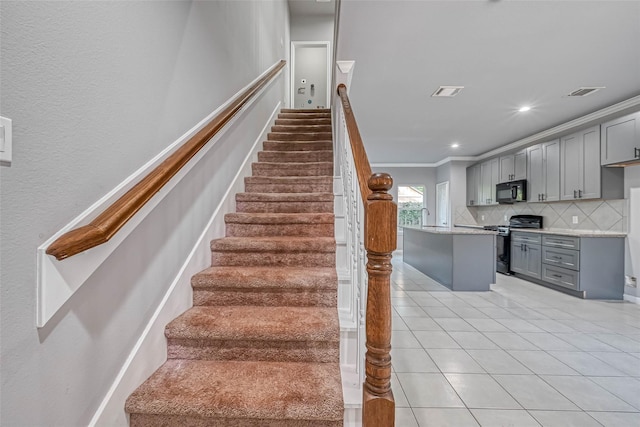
x=285, y=197
x=296, y=156
x=266, y=278
x=289, y=184
x=304, y=115
x=257, y=323
x=292, y=169
x=299, y=121
x=265, y=286
x=297, y=145
x=279, y=218
x=299, y=136
x=300, y=128
x=274, y=244
x=305, y=110
x=213, y=392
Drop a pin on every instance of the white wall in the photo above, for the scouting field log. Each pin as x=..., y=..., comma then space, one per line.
x=312, y=28
x=95, y=90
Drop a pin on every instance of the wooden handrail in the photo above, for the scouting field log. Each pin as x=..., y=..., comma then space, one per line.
x=380, y=238
x=112, y=219
x=362, y=166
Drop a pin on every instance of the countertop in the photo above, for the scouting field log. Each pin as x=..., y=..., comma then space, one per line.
x=452, y=230
x=573, y=233
x=557, y=232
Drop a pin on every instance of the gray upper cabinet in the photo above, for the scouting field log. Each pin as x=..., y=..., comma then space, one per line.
x=621, y=140
x=543, y=171
x=473, y=185
x=489, y=175
x=513, y=166
x=580, y=160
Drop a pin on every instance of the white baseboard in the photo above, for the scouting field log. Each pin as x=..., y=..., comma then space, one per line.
x=631, y=298
x=150, y=350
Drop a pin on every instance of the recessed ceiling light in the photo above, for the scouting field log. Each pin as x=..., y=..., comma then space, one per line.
x=524, y=108
x=447, y=91
x=455, y=145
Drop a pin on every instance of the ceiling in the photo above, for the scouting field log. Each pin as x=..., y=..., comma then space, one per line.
x=506, y=54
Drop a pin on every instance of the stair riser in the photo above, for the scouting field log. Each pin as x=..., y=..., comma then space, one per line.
x=295, y=156
x=280, y=207
x=306, y=110
x=282, y=169
x=281, y=259
x=302, y=122
x=297, y=146
x=265, y=298
x=152, y=420
x=298, y=128
x=273, y=351
x=263, y=230
x=311, y=136
x=287, y=188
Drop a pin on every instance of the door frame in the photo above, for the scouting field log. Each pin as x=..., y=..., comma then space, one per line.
x=295, y=44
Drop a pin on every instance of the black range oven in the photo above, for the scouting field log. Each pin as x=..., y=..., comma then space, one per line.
x=503, y=240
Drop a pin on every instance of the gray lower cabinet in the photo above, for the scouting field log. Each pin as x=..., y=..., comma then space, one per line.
x=621, y=140
x=526, y=254
x=591, y=266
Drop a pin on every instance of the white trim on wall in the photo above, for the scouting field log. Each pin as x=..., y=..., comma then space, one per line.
x=295, y=44
x=57, y=280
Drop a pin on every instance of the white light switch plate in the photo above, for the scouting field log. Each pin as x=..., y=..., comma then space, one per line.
x=5, y=141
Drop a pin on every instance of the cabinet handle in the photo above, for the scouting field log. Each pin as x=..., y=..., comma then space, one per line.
x=543, y=196
x=636, y=153
x=557, y=275
x=538, y=196
x=579, y=194
x=575, y=194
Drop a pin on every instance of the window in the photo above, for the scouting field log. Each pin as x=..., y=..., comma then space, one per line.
x=411, y=201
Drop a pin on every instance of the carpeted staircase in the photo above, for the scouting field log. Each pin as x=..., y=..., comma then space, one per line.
x=260, y=347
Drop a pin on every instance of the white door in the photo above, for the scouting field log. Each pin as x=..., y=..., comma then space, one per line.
x=442, y=204
x=309, y=84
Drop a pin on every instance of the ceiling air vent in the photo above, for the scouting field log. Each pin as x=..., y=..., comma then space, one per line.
x=584, y=91
x=447, y=91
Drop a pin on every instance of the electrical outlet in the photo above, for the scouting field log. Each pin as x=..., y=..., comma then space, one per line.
x=482, y=217
x=6, y=141
x=574, y=219
x=505, y=217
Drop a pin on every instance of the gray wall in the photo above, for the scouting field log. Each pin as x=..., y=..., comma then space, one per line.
x=632, y=255
x=312, y=28
x=95, y=90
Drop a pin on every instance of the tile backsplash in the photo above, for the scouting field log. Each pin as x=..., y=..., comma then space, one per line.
x=611, y=215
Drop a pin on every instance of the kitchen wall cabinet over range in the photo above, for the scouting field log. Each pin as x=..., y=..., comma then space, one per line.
x=543, y=172
x=621, y=140
x=513, y=167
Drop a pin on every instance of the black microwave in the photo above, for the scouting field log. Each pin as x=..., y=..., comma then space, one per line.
x=511, y=192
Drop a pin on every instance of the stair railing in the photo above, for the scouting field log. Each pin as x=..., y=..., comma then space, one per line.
x=113, y=218
x=372, y=223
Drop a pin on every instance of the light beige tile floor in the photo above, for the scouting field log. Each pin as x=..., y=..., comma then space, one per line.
x=519, y=355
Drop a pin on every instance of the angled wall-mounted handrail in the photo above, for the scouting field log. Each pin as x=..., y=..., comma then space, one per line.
x=112, y=219
x=380, y=235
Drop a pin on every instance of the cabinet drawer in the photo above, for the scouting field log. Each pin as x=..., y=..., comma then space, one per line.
x=566, y=258
x=561, y=276
x=530, y=238
x=565, y=242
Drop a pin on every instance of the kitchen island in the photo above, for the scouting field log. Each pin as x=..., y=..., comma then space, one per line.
x=462, y=259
